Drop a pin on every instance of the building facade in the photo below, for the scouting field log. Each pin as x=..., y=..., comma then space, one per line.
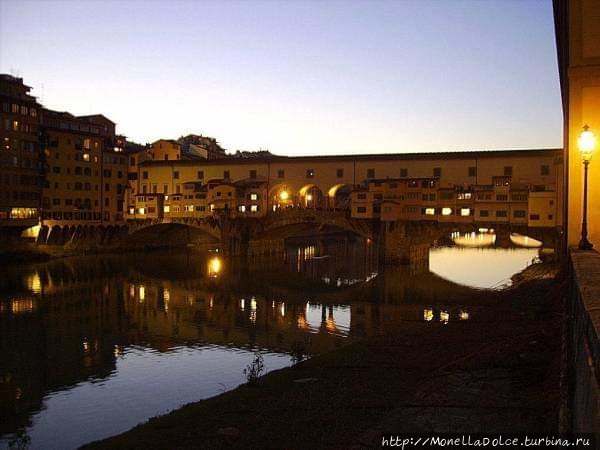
x=577, y=25
x=21, y=162
x=482, y=187
x=86, y=170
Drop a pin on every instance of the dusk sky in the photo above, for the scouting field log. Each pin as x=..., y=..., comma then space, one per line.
x=297, y=77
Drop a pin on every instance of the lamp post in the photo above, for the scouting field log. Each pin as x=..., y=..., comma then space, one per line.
x=586, y=143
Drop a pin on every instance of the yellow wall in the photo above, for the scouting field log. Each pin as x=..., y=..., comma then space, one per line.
x=583, y=104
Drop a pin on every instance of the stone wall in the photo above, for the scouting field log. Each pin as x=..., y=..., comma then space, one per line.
x=583, y=366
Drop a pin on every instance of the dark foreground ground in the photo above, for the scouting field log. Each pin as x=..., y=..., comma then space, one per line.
x=499, y=371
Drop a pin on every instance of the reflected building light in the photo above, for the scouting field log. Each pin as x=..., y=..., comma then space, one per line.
x=214, y=267
x=524, y=241
x=330, y=325
x=142, y=293
x=371, y=276
x=474, y=239
x=117, y=351
x=243, y=304
x=282, y=310
x=21, y=305
x=302, y=323
x=86, y=346
x=32, y=232
x=166, y=298
x=253, y=304
x=253, y=317
x=190, y=299
x=211, y=303
x=34, y=283
x=326, y=280
x=463, y=315
x=428, y=314
x=131, y=290
x=273, y=304
x=309, y=252
x=444, y=317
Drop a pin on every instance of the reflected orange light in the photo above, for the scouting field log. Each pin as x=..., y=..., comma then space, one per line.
x=302, y=323
x=330, y=325
x=428, y=314
x=215, y=266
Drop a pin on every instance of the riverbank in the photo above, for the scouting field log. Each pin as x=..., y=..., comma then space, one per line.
x=496, y=371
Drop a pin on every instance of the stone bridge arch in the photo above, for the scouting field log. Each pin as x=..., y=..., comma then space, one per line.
x=338, y=196
x=209, y=225
x=316, y=218
x=311, y=196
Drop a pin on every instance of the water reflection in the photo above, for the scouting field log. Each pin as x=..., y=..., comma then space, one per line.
x=483, y=238
x=480, y=267
x=124, y=338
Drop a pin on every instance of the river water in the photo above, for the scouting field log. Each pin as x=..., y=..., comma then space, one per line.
x=92, y=346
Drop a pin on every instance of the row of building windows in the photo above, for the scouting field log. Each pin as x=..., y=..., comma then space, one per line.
x=464, y=212
x=16, y=126
x=74, y=215
x=85, y=203
x=21, y=195
x=310, y=173
x=16, y=109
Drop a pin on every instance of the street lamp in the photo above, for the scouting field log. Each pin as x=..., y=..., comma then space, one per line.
x=586, y=143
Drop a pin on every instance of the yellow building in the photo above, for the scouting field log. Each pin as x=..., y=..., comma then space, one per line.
x=86, y=172
x=577, y=25
x=486, y=185
x=165, y=150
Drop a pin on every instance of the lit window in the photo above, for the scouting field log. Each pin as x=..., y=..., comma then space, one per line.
x=253, y=196
x=141, y=210
x=254, y=208
x=242, y=208
x=86, y=157
x=465, y=212
x=447, y=211
x=167, y=208
x=429, y=211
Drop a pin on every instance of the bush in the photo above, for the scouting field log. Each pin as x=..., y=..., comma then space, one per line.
x=254, y=370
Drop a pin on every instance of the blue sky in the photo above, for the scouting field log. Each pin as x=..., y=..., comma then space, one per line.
x=297, y=77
